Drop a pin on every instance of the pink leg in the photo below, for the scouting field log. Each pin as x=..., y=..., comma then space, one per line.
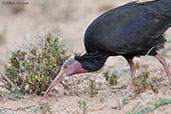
x=165, y=65
x=132, y=68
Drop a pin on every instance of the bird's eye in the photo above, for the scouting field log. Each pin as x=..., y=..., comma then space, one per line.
x=66, y=66
x=68, y=62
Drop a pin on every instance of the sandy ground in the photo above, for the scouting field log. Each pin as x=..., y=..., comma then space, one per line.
x=71, y=18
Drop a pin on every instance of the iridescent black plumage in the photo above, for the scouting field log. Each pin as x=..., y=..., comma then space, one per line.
x=130, y=30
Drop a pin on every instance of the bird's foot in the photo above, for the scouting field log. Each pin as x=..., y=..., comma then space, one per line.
x=126, y=98
x=128, y=94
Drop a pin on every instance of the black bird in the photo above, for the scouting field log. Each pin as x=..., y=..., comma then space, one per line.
x=134, y=29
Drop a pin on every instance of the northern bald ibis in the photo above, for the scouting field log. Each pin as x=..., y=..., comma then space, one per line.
x=134, y=29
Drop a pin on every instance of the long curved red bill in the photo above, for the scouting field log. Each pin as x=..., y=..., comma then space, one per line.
x=56, y=81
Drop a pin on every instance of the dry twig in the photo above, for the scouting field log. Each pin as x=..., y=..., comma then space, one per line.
x=7, y=79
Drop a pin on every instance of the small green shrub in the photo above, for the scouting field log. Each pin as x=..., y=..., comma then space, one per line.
x=83, y=106
x=159, y=102
x=137, y=65
x=153, y=106
x=92, y=89
x=106, y=75
x=32, y=71
x=112, y=79
x=133, y=109
x=143, y=82
x=45, y=108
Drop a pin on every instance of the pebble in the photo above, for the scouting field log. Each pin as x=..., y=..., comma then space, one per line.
x=169, y=62
x=114, y=107
x=2, y=111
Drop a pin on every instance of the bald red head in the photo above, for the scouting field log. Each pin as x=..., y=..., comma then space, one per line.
x=66, y=70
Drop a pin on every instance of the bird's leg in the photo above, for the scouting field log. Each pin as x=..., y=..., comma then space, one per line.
x=132, y=69
x=165, y=65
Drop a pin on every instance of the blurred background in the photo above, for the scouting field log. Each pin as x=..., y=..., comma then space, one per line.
x=68, y=17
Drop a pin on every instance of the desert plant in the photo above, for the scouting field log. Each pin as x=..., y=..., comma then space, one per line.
x=92, y=88
x=106, y=75
x=112, y=79
x=137, y=65
x=143, y=82
x=159, y=102
x=154, y=105
x=32, y=71
x=45, y=108
x=133, y=111
x=82, y=105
